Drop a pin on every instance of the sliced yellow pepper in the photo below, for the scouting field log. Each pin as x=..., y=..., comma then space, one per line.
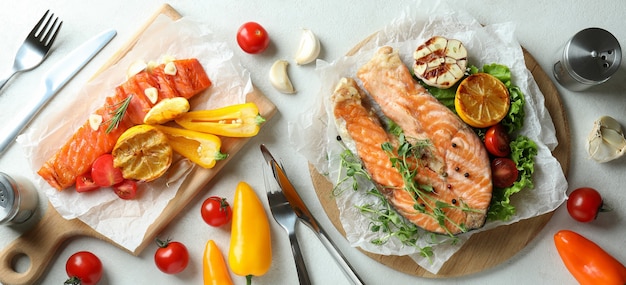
x=214, y=270
x=250, y=252
x=201, y=148
x=240, y=120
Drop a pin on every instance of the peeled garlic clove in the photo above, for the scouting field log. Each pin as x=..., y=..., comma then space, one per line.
x=136, y=67
x=95, y=121
x=606, y=140
x=279, y=78
x=309, y=48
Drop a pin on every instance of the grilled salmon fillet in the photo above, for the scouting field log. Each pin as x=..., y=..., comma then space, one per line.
x=359, y=123
x=78, y=153
x=454, y=163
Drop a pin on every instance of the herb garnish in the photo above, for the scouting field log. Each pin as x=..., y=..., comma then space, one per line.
x=406, y=162
x=354, y=169
x=118, y=113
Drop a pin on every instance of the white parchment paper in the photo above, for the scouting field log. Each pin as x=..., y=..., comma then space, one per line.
x=126, y=221
x=485, y=44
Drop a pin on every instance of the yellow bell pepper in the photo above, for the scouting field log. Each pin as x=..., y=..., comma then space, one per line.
x=201, y=148
x=250, y=252
x=240, y=120
x=214, y=270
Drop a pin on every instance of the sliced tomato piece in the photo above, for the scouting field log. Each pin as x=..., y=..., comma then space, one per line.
x=504, y=172
x=104, y=173
x=126, y=189
x=84, y=183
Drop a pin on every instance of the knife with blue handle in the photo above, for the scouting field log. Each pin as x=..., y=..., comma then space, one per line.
x=53, y=81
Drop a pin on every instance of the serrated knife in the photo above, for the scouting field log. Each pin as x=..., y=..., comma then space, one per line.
x=53, y=80
x=305, y=216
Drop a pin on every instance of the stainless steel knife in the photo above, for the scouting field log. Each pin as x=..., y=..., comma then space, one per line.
x=53, y=81
x=305, y=216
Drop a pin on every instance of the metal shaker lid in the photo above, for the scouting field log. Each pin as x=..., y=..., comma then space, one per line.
x=592, y=55
x=8, y=198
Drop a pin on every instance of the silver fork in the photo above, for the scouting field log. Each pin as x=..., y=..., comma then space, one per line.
x=35, y=47
x=287, y=219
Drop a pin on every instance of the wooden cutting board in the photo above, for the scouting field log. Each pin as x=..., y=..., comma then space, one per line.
x=42, y=241
x=487, y=249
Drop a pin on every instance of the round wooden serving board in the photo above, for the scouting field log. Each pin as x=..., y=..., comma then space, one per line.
x=487, y=249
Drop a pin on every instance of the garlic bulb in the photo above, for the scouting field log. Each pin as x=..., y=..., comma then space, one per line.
x=309, y=48
x=606, y=141
x=279, y=78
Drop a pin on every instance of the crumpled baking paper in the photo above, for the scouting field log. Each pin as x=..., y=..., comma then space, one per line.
x=126, y=221
x=485, y=44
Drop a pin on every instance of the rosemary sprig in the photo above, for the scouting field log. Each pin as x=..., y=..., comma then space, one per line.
x=118, y=113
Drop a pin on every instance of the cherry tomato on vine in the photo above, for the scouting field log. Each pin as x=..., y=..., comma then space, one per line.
x=83, y=268
x=497, y=141
x=103, y=172
x=252, y=38
x=584, y=204
x=503, y=172
x=171, y=257
x=216, y=211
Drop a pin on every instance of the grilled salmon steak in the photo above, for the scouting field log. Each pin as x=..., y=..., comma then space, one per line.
x=451, y=189
x=75, y=157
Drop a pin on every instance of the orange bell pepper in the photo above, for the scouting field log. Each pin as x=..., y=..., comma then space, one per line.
x=214, y=270
x=587, y=261
x=240, y=120
x=250, y=252
x=201, y=148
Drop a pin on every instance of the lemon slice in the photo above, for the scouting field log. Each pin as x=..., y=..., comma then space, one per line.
x=482, y=100
x=166, y=110
x=142, y=153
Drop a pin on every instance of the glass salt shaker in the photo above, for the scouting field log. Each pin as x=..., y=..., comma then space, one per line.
x=18, y=201
x=589, y=58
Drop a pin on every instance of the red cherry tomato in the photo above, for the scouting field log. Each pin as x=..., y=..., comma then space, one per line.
x=497, y=141
x=126, y=189
x=171, y=257
x=84, y=183
x=252, y=38
x=584, y=204
x=103, y=172
x=83, y=268
x=216, y=211
x=504, y=172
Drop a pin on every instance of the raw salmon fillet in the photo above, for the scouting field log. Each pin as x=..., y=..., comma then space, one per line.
x=454, y=162
x=78, y=153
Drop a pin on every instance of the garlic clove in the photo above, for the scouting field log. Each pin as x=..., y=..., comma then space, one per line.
x=95, y=121
x=309, y=48
x=279, y=78
x=606, y=140
x=136, y=67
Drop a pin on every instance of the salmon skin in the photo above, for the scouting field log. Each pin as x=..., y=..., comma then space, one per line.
x=451, y=190
x=75, y=157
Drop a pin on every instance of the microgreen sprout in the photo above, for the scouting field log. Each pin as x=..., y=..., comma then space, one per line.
x=353, y=168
